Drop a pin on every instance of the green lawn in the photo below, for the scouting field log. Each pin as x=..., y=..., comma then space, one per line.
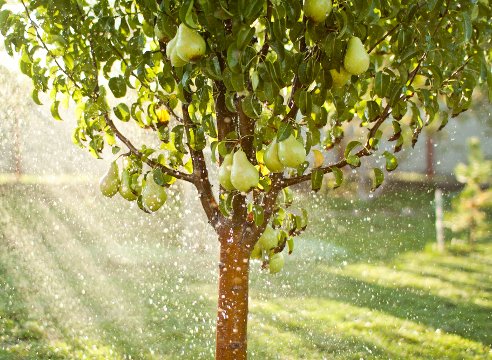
x=83, y=277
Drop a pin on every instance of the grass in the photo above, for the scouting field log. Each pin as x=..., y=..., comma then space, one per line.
x=83, y=277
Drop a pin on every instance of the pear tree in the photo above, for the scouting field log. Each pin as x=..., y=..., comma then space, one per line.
x=256, y=91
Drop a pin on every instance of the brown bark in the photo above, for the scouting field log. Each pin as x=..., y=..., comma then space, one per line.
x=429, y=166
x=232, y=311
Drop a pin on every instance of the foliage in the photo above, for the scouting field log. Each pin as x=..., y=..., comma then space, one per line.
x=268, y=72
x=472, y=208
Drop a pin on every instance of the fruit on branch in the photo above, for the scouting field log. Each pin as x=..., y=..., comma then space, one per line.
x=291, y=152
x=356, y=59
x=129, y=164
x=268, y=240
x=126, y=191
x=339, y=78
x=172, y=55
x=276, y=263
x=190, y=46
x=153, y=195
x=317, y=10
x=110, y=182
x=244, y=175
x=225, y=173
x=256, y=252
x=270, y=158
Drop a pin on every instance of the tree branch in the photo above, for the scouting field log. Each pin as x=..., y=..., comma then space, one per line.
x=38, y=35
x=342, y=163
x=200, y=173
x=153, y=164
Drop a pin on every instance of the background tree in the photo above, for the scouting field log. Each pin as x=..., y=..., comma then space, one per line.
x=258, y=85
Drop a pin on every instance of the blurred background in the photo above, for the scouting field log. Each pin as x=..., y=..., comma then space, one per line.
x=87, y=277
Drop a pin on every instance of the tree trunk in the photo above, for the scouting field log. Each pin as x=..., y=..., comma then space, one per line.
x=232, y=311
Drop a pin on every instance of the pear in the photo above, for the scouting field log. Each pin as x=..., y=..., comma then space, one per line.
x=172, y=55
x=244, y=175
x=268, y=240
x=291, y=152
x=256, y=252
x=125, y=187
x=153, y=195
x=271, y=158
x=339, y=78
x=356, y=59
x=276, y=263
x=317, y=10
x=225, y=173
x=190, y=45
x=110, y=182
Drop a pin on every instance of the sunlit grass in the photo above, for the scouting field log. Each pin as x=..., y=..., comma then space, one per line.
x=84, y=276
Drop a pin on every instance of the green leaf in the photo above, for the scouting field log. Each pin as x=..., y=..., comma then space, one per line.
x=54, y=110
x=284, y=131
x=338, y=176
x=391, y=161
x=258, y=215
x=378, y=179
x=316, y=179
x=350, y=146
x=117, y=86
x=35, y=96
x=122, y=112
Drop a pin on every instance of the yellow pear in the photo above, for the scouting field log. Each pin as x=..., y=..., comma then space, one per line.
x=153, y=195
x=276, y=263
x=270, y=158
x=110, y=182
x=356, y=59
x=291, y=152
x=268, y=240
x=317, y=10
x=339, y=78
x=125, y=187
x=244, y=175
x=319, y=159
x=225, y=173
x=190, y=45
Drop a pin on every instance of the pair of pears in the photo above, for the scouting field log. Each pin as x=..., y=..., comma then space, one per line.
x=268, y=241
x=287, y=153
x=187, y=46
x=153, y=195
x=236, y=172
x=355, y=62
x=111, y=183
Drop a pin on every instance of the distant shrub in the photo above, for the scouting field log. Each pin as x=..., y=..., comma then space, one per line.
x=471, y=209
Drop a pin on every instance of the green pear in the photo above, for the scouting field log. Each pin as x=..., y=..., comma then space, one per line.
x=291, y=152
x=110, y=182
x=317, y=10
x=268, y=240
x=153, y=195
x=339, y=78
x=244, y=175
x=126, y=191
x=190, y=45
x=276, y=263
x=270, y=158
x=356, y=59
x=225, y=173
x=172, y=55
x=256, y=252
